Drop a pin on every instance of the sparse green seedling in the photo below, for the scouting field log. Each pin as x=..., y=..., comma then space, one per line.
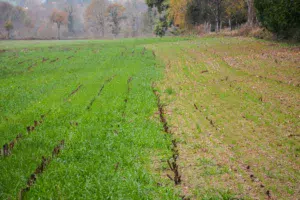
x=169, y=91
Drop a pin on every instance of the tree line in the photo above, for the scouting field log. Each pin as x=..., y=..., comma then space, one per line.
x=131, y=18
x=76, y=19
x=281, y=17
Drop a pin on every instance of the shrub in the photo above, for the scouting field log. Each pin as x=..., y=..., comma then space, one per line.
x=280, y=17
x=161, y=27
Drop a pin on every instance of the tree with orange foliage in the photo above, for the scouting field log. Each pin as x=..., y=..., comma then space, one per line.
x=178, y=12
x=116, y=14
x=184, y=13
x=59, y=18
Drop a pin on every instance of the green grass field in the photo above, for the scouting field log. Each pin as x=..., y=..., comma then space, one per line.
x=80, y=119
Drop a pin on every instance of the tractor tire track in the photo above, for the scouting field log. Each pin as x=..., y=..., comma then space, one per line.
x=8, y=147
x=127, y=96
x=40, y=169
x=99, y=92
x=172, y=163
x=56, y=151
x=257, y=182
x=73, y=92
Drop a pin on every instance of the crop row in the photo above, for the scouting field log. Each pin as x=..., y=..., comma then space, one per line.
x=172, y=163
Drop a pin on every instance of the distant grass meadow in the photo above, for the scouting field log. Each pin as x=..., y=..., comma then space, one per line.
x=91, y=119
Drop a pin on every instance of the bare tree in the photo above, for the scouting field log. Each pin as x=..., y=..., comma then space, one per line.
x=132, y=14
x=8, y=26
x=217, y=9
x=234, y=10
x=149, y=20
x=251, y=12
x=13, y=15
x=116, y=14
x=95, y=15
x=70, y=10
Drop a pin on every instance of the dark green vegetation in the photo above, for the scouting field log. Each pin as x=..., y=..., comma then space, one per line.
x=97, y=98
x=280, y=16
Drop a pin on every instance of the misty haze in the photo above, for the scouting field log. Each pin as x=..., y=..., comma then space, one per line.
x=69, y=19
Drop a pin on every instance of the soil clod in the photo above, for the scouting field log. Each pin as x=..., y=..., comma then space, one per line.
x=52, y=61
x=196, y=107
x=6, y=151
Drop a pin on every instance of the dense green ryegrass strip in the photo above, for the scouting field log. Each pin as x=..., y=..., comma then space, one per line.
x=106, y=154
